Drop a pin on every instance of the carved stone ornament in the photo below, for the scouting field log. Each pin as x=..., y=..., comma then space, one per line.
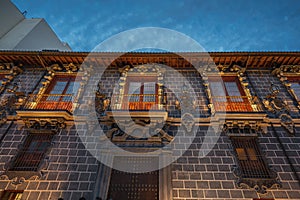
x=45, y=123
x=101, y=101
x=11, y=72
x=277, y=106
x=19, y=177
x=282, y=72
x=244, y=127
x=259, y=184
x=8, y=105
x=137, y=131
x=188, y=121
x=63, y=68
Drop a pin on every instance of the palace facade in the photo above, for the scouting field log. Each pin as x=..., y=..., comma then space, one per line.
x=53, y=104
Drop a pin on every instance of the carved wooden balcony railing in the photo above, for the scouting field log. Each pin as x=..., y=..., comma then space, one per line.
x=50, y=102
x=235, y=104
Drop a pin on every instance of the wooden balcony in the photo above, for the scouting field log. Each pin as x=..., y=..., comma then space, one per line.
x=138, y=102
x=49, y=102
x=235, y=104
x=48, y=106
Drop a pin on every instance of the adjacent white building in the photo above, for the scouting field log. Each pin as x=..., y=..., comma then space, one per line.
x=19, y=33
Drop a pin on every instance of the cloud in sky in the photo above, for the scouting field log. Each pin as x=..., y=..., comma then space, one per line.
x=218, y=25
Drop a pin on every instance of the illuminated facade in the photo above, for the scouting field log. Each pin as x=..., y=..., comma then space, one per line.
x=256, y=155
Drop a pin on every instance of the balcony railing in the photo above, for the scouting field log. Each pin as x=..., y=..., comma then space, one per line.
x=235, y=104
x=137, y=102
x=49, y=102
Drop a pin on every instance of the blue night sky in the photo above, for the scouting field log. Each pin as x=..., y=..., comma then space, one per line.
x=218, y=25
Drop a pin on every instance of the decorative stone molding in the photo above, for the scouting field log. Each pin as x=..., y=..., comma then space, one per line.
x=279, y=107
x=232, y=70
x=11, y=72
x=6, y=66
x=247, y=127
x=259, y=184
x=187, y=107
x=69, y=68
x=45, y=123
x=282, y=72
x=101, y=101
x=132, y=132
x=9, y=104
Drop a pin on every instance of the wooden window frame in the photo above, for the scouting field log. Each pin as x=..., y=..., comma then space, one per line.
x=29, y=159
x=61, y=101
x=141, y=104
x=229, y=105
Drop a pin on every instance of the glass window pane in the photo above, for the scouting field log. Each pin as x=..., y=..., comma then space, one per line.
x=233, y=91
x=72, y=90
x=217, y=91
x=296, y=88
x=149, y=92
x=134, y=91
x=57, y=90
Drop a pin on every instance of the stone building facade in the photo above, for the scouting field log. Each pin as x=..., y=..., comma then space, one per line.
x=226, y=125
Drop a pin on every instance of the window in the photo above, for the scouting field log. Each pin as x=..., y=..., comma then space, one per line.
x=251, y=161
x=11, y=195
x=59, y=94
x=140, y=93
x=295, y=86
x=32, y=153
x=228, y=90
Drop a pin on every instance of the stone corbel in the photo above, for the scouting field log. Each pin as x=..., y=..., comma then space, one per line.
x=255, y=126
